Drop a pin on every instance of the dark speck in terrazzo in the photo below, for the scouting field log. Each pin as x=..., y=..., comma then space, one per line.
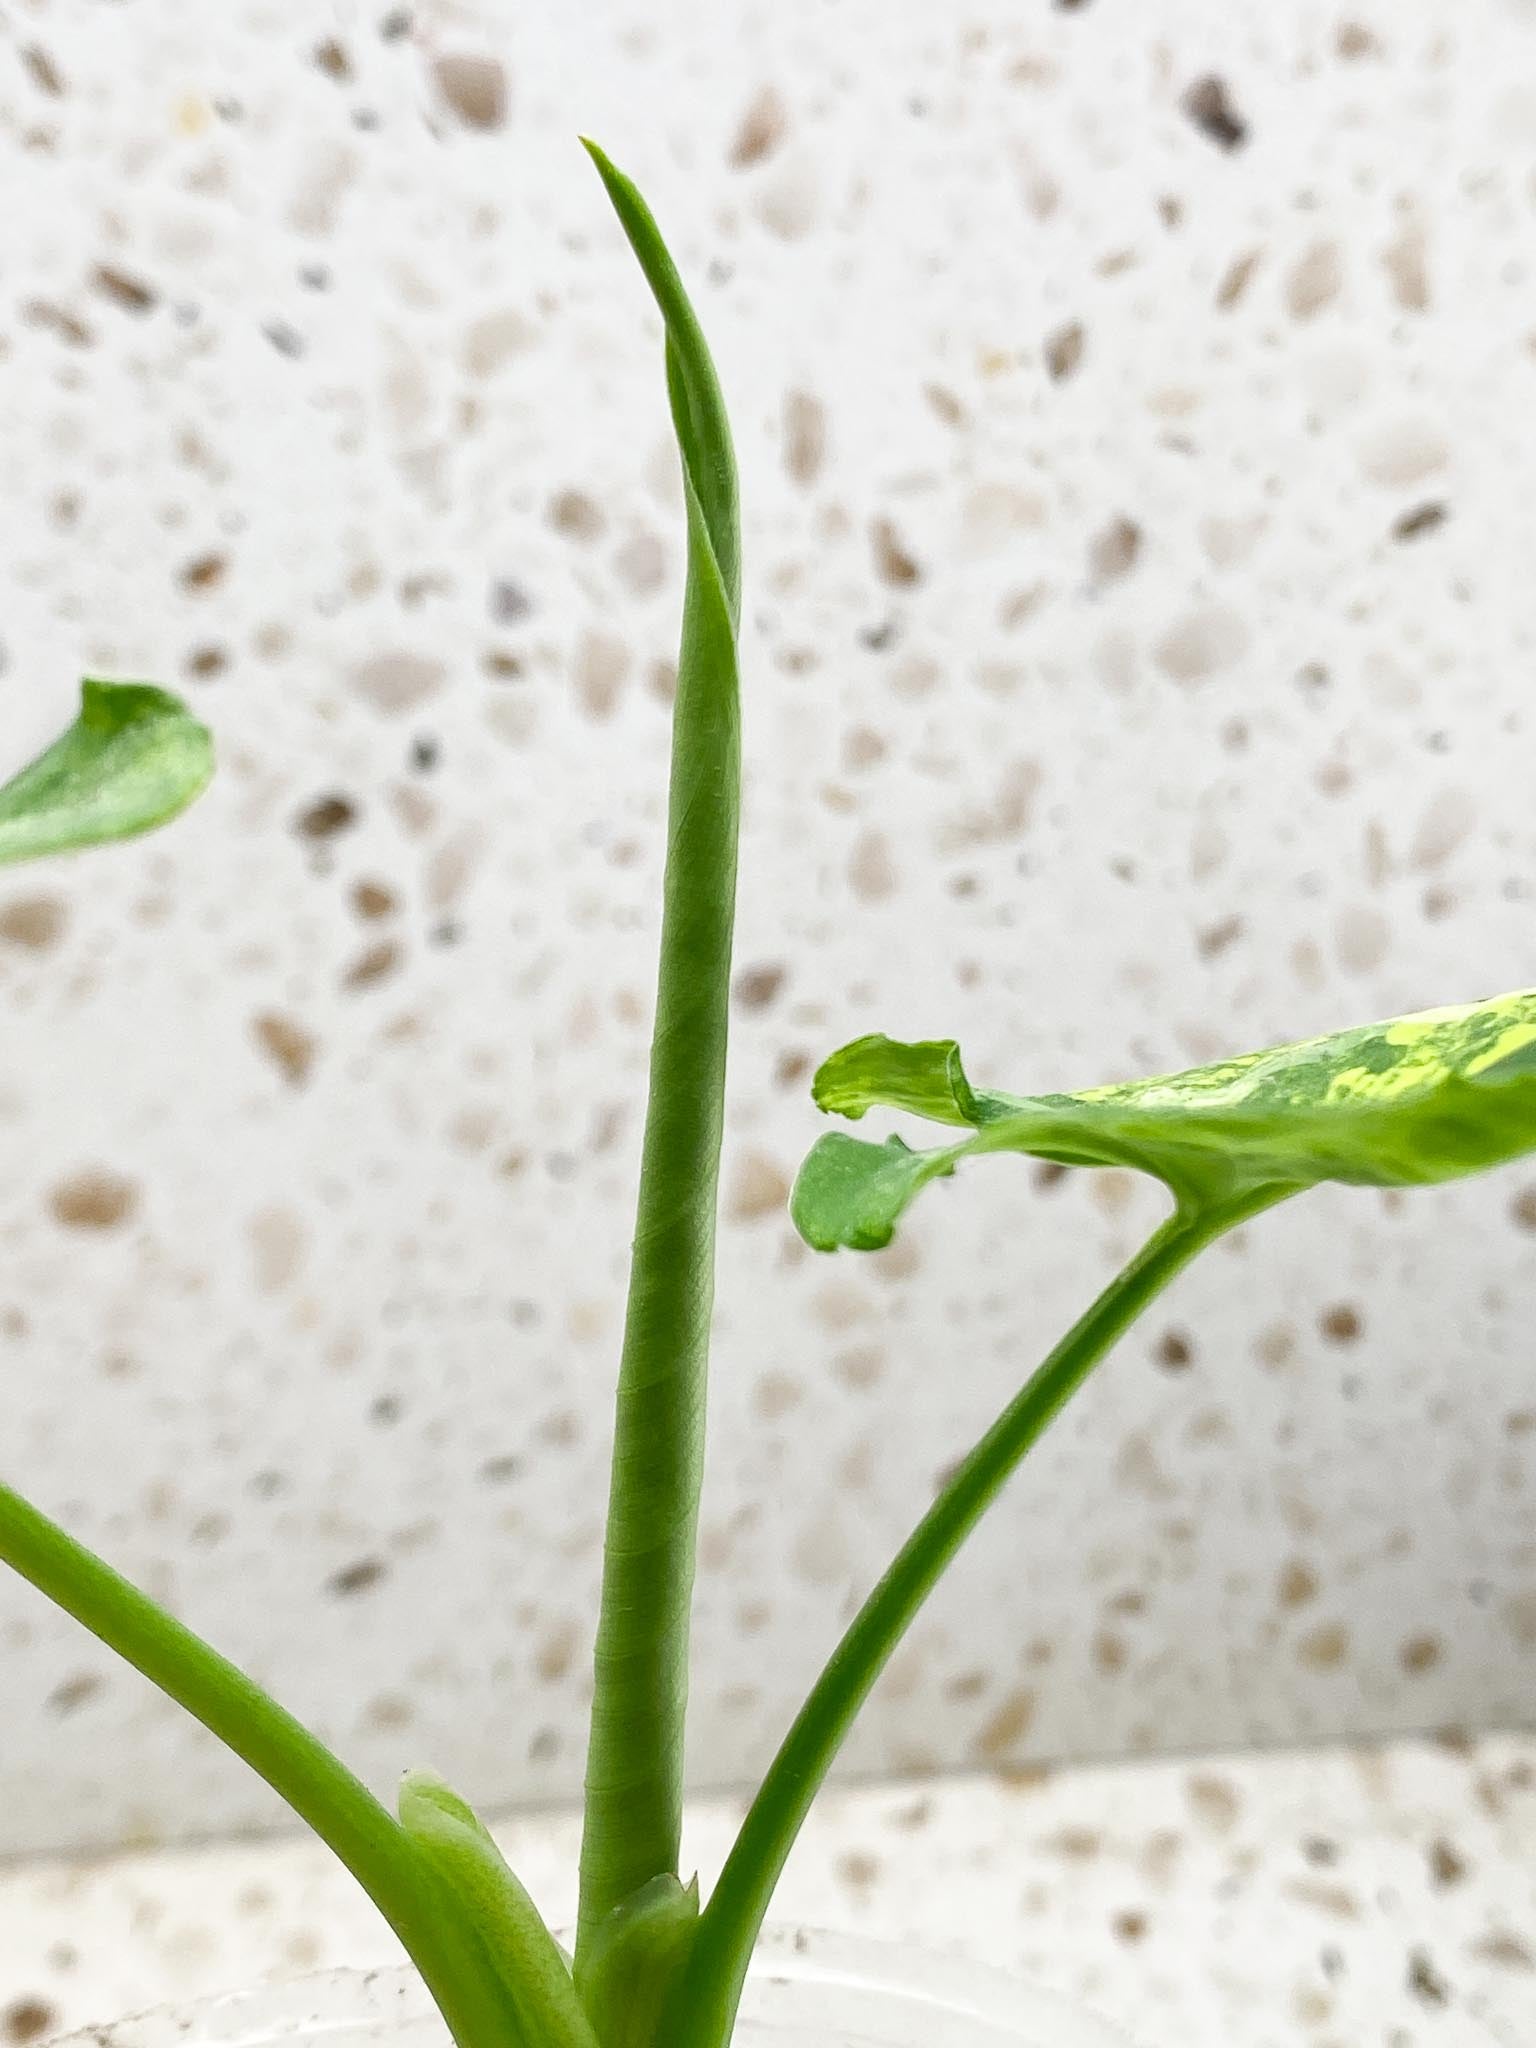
x=360, y=1577
x=509, y=601
x=1175, y=1353
x=285, y=339
x=1425, y=1981
x=332, y=59
x=73, y=1693
x=474, y=88
x=1422, y=519
x=42, y=70
x=1341, y=1324
x=1209, y=104
x=325, y=817
x=129, y=293
x=1064, y=350
x=28, y=2019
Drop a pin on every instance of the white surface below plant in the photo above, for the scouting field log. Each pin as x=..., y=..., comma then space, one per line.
x=1372, y=1897
x=807, y=1990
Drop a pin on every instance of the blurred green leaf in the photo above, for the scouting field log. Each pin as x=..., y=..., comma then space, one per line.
x=133, y=759
x=1411, y=1101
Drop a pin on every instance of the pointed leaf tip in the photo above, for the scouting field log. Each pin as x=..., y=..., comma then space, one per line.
x=698, y=406
x=606, y=168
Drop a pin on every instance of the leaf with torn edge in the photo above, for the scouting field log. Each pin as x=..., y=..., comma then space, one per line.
x=1408, y=1102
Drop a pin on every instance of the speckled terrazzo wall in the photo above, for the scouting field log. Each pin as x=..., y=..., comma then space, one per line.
x=1135, y=413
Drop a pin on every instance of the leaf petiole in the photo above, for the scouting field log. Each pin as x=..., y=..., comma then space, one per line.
x=704, y=2010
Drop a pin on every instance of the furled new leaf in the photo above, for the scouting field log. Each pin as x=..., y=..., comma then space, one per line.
x=133, y=758
x=1414, y=1100
x=635, y=1751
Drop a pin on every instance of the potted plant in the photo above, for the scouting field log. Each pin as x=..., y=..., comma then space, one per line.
x=651, y=1964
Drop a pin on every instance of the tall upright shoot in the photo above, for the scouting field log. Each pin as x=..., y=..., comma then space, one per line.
x=635, y=1752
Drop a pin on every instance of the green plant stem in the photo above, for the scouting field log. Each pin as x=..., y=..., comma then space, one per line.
x=342, y=1812
x=704, y=2011
x=633, y=1819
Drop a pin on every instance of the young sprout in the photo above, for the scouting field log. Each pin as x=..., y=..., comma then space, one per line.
x=1420, y=1099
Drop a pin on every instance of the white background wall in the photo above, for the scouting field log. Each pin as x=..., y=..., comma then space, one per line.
x=1139, y=654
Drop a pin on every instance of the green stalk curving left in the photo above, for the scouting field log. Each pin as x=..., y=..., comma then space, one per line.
x=320, y=1789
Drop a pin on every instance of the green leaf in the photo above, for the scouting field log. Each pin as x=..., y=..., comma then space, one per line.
x=532, y=1967
x=635, y=1753
x=133, y=759
x=850, y=1193
x=1415, y=1100
x=926, y=1079
x=634, y=1960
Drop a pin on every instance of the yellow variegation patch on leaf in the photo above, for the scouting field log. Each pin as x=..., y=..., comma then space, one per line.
x=1414, y=1100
